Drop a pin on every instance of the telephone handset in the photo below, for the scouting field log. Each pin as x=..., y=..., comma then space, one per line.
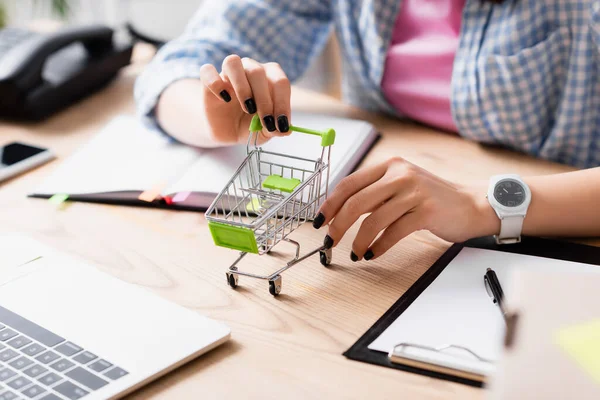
x=43, y=73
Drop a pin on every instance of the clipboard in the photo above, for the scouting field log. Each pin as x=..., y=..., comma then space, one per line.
x=545, y=248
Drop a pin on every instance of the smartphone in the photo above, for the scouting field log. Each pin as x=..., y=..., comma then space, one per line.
x=16, y=158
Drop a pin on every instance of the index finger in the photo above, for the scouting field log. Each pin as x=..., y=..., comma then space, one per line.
x=347, y=187
x=213, y=81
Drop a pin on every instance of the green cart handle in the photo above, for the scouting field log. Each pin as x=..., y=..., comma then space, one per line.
x=327, y=136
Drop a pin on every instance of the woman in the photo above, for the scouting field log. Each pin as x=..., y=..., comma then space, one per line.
x=519, y=73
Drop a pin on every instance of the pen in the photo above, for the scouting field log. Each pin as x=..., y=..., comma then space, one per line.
x=492, y=285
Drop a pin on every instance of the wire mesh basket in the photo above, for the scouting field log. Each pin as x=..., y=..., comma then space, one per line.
x=270, y=195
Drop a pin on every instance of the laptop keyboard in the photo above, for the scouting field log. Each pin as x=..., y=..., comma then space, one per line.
x=11, y=37
x=38, y=364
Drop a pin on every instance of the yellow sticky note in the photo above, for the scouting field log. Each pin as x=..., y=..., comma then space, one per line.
x=150, y=195
x=582, y=343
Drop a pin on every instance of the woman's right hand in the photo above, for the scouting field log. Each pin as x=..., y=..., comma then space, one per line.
x=243, y=88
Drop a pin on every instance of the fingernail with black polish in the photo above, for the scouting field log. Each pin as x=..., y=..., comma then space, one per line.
x=250, y=106
x=369, y=254
x=353, y=256
x=225, y=96
x=318, y=221
x=283, y=123
x=269, y=123
x=328, y=242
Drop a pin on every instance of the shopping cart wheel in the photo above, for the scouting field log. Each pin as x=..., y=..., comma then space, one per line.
x=232, y=279
x=325, y=256
x=275, y=285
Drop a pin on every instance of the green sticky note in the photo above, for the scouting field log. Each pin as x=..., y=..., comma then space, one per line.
x=58, y=199
x=582, y=343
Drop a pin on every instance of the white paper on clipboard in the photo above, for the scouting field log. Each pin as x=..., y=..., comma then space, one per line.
x=455, y=309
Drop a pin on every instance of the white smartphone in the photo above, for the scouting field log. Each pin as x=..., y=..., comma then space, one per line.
x=16, y=158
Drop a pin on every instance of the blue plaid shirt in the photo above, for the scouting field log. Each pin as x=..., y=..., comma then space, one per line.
x=526, y=73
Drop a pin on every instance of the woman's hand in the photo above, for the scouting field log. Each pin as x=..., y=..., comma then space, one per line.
x=402, y=198
x=243, y=88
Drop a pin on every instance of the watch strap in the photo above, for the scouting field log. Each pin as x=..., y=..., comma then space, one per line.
x=510, y=229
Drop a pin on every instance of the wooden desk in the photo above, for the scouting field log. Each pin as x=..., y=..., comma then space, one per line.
x=285, y=347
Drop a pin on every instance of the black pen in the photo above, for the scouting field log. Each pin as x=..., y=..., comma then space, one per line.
x=492, y=285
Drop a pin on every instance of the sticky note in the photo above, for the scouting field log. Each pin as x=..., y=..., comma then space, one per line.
x=181, y=196
x=582, y=343
x=150, y=195
x=59, y=200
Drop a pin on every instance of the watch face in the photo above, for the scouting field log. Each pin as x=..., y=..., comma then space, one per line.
x=509, y=193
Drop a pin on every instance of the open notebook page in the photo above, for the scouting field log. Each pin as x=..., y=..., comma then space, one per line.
x=456, y=309
x=123, y=156
x=211, y=174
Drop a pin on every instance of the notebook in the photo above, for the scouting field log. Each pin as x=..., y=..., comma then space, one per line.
x=126, y=160
x=446, y=325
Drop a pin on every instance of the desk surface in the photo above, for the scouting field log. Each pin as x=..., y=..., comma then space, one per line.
x=288, y=346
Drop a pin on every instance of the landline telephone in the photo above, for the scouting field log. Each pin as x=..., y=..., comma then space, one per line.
x=42, y=73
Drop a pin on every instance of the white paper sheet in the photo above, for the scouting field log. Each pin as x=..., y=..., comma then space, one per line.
x=456, y=309
x=123, y=156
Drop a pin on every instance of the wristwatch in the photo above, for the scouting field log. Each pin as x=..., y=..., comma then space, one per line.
x=509, y=196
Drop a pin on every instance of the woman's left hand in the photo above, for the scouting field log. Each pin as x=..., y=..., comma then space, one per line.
x=402, y=198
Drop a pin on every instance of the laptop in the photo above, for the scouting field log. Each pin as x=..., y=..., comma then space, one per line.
x=70, y=331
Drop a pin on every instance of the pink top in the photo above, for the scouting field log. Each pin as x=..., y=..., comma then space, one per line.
x=418, y=66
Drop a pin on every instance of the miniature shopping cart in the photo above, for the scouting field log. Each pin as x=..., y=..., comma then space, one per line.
x=270, y=195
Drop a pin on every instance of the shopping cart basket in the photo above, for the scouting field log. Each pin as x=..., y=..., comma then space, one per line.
x=270, y=195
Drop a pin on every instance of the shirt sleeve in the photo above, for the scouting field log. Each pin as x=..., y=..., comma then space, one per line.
x=595, y=23
x=289, y=32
